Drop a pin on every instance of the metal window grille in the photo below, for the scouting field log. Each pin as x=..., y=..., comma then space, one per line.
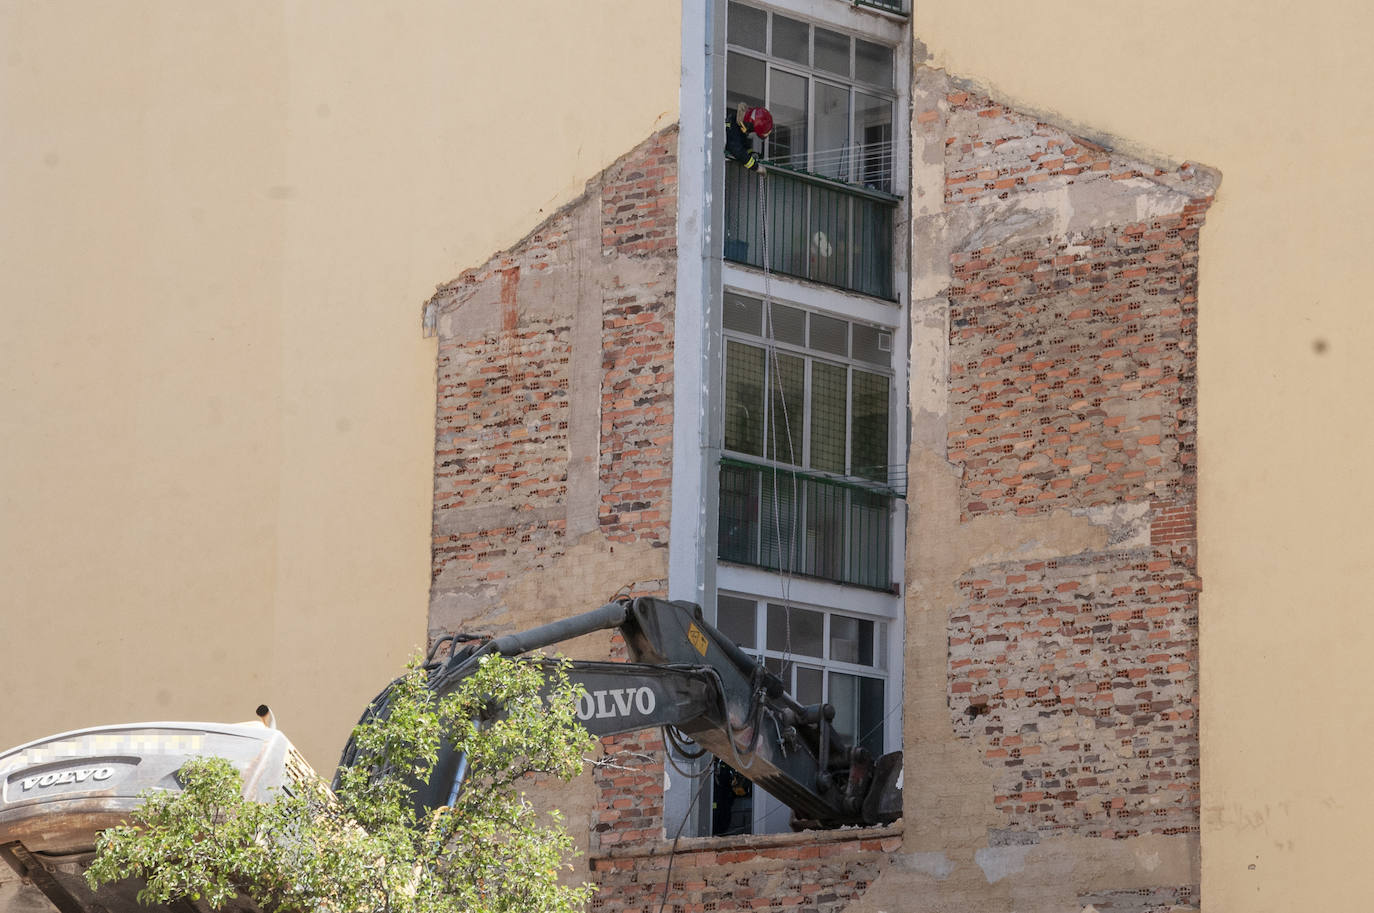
x=805, y=524
x=889, y=6
x=819, y=230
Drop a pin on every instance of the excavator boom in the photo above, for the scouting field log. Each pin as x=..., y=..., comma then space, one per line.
x=689, y=676
x=58, y=793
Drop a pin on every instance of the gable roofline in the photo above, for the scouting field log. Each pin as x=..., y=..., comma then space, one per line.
x=447, y=291
x=1190, y=179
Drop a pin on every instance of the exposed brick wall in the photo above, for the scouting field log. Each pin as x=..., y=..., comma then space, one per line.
x=635, y=457
x=638, y=220
x=629, y=778
x=1143, y=900
x=813, y=872
x=1174, y=524
x=1072, y=375
x=639, y=200
x=1072, y=387
x=555, y=357
x=993, y=152
x=502, y=440
x=503, y=435
x=1077, y=678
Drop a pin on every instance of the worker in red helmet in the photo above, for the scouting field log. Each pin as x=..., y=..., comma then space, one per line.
x=741, y=124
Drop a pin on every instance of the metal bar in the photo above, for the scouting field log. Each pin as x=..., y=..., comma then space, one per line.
x=856, y=484
x=37, y=873
x=806, y=214
x=897, y=7
x=609, y=615
x=834, y=529
x=807, y=177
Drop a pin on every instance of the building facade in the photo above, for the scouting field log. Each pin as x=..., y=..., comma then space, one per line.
x=912, y=415
x=218, y=431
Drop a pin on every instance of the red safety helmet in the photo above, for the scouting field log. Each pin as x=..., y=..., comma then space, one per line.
x=759, y=120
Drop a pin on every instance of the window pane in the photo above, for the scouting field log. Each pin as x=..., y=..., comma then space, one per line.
x=778, y=546
x=738, y=527
x=831, y=154
x=872, y=718
x=872, y=261
x=828, y=229
x=851, y=640
x=747, y=27
x=810, y=686
x=870, y=538
x=743, y=314
x=872, y=345
x=744, y=398
x=782, y=670
x=732, y=802
x=828, y=407
x=872, y=63
x=735, y=618
x=788, y=406
x=744, y=81
x=858, y=702
x=824, y=507
x=805, y=626
x=829, y=335
x=870, y=426
x=790, y=39
x=873, y=124
x=832, y=52
x=789, y=324
x=787, y=104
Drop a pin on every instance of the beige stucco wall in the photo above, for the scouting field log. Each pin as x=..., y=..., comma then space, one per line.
x=1276, y=96
x=217, y=226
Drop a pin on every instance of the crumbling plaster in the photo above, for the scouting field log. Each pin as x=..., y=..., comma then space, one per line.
x=1049, y=877
x=563, y=273
x=551, y=362
x=957, y=852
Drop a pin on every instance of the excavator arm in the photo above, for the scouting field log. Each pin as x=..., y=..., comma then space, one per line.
x=691, y=678
x=58, y=793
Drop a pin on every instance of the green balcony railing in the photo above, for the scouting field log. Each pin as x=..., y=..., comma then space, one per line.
x=887, y=6
x=817, y=229
x=806, y=524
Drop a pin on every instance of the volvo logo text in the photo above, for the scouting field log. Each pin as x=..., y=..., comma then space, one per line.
x=59, y=777
x=615, y=702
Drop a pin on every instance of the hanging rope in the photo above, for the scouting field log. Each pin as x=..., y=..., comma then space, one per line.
x=770, y=433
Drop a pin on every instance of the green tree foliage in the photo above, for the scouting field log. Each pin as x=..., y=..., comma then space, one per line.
x=367, y=849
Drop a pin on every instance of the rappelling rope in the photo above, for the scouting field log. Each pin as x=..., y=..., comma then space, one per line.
x=785, y=566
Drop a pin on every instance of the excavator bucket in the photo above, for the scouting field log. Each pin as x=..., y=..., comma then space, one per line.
x=58, y=793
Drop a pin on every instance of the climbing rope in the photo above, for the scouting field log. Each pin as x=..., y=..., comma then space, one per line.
x=785, y=567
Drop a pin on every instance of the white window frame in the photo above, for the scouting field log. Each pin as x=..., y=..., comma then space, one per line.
x=806, y=592
x=813, y=74
x=809, y=357
x=882, y=667
x=832, y=598
x=693, y=570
